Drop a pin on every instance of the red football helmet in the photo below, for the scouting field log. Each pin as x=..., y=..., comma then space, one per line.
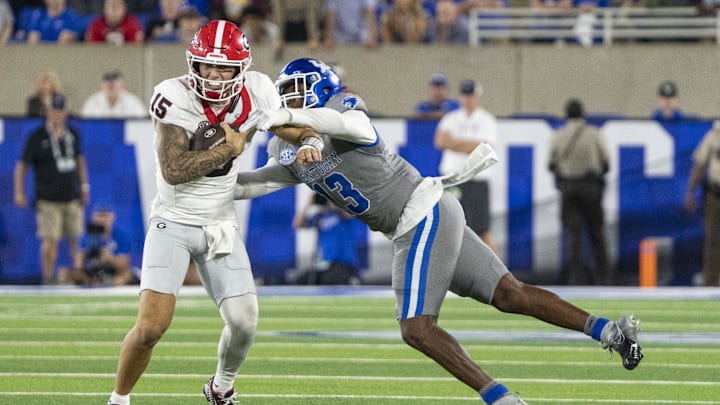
x=218, y=42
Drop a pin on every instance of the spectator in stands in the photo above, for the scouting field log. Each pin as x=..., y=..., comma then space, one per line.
x=297, y=21
x=116, y=26
x=458, y=133
x=163, y=27
x=350, y=22
x=104, y=254
x=113, y=100
x=465, y=6
x=335, y=260
x=54, y=153
x=585, y=22
x=254, y=23
x=7, y=22
x=707, y=7
x=189, y=22
x=47, y=86
x=439, y=102
x=86, y=6
x=545, y=12
x=138, y=7
x=706, y=172
x=404, y=21
x=448, y=26
x=55, y=23
x=668, y=103
x=551, y=4
x=579, y=159
x=233, y=9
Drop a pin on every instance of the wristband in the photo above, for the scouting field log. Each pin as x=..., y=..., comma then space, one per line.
x=312, y=141
x=306, y=147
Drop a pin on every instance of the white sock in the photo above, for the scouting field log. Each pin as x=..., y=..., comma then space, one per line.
x=118, y=399
x=221, y=385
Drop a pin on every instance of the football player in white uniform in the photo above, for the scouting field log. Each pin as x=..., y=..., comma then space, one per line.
x=192, y=216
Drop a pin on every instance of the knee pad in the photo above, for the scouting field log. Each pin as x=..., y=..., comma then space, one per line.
x=240, y=313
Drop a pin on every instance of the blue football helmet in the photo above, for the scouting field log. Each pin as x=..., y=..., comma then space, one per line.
x=308, y=79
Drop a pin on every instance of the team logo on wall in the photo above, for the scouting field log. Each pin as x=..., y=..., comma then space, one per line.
x=287, y=156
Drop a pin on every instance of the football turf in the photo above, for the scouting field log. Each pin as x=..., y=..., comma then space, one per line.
x=344, y=348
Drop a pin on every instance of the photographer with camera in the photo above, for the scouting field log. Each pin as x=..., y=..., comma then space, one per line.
x=335, y=260
x=104, y=256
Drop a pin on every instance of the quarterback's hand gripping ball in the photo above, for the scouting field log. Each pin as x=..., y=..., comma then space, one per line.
x=212, y=135
x=208, y=137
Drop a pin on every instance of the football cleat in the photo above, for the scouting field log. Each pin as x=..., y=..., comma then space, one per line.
x=218, y=399
x=509, y=400
x=621, y=337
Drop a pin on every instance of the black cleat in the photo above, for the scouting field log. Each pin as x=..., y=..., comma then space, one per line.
x=215, y=398
x=621, y=337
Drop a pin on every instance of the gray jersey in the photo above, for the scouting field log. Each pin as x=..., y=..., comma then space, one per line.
x=367, y=181
x=433, y=250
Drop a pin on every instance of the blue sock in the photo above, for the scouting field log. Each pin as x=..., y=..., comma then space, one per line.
x=594, y=326
x=493, y=391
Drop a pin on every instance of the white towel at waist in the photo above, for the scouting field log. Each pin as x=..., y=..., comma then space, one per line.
x=220, y=238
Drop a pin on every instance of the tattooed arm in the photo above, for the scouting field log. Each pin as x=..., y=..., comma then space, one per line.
x=179, y=165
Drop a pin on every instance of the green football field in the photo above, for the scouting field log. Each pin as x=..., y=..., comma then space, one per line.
x=342, y=346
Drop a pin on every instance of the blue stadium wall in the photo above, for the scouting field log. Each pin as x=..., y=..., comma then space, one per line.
x=650, y=165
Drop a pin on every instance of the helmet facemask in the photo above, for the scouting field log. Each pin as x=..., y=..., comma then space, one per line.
x=216, y=90
x=302, y=86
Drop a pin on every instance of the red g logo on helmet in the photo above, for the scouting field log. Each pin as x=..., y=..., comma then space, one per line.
x=245, y=42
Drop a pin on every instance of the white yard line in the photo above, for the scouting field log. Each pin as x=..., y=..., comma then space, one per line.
x=555, y=381
x=241, y=396
x=359, y=360
x=614, y=293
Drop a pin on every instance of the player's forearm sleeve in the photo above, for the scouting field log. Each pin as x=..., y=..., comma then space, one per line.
x=257, y=183
x=352, y=125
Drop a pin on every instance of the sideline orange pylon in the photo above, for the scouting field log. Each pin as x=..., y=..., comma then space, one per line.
x=648, y=263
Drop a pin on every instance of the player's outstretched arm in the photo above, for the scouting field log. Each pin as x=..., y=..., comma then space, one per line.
x=352, y=125
x=262, y=181
x=178, y=164
x=310, y=143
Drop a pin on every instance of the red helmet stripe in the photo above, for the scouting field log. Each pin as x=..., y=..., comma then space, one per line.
x=219, y=35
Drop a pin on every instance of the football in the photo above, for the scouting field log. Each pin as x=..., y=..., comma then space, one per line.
x=207, y=137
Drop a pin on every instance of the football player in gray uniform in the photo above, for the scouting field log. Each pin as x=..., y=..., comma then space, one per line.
x=325, y=139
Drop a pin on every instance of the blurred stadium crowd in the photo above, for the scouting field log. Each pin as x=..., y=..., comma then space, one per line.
x=320, y=23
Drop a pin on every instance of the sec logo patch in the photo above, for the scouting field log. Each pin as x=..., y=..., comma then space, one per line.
x=287, y=157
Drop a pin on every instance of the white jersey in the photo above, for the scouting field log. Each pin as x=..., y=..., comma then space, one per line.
x=205, y=200
x=127, y=105
x=480, y=126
